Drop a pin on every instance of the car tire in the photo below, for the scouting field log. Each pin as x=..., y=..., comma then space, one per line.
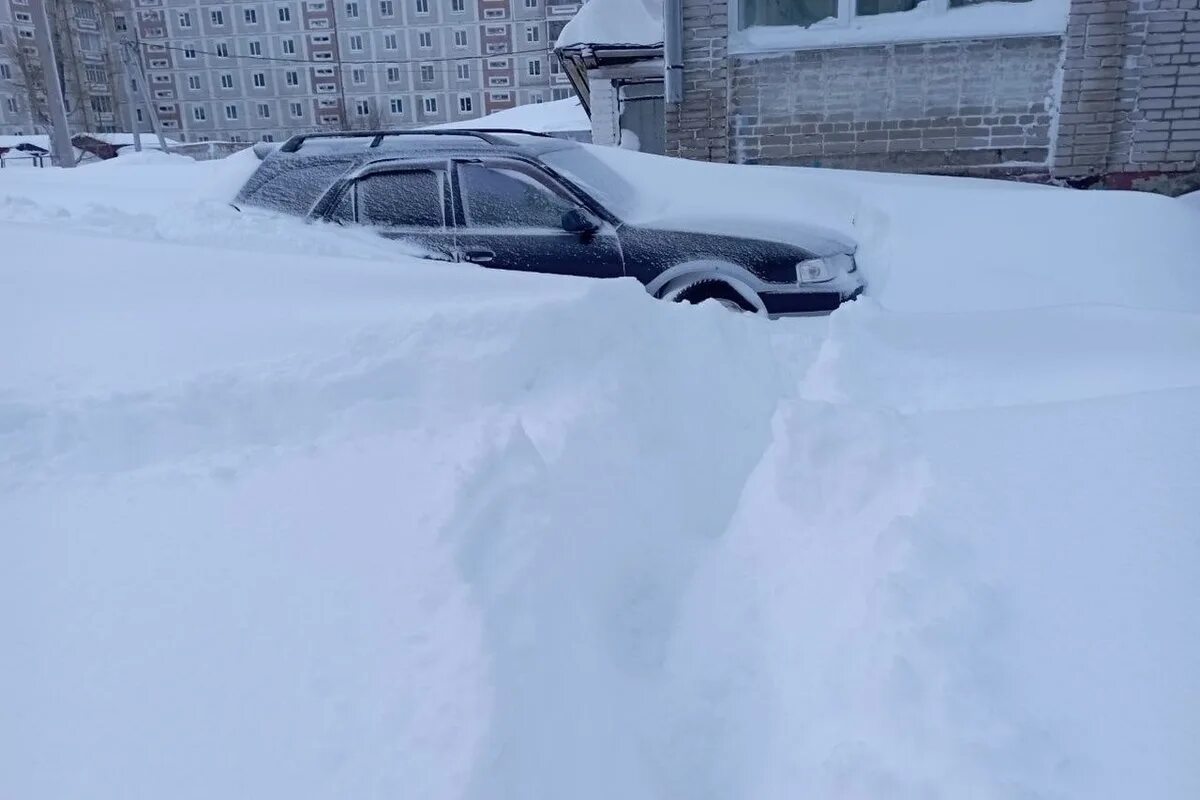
x=715, y=289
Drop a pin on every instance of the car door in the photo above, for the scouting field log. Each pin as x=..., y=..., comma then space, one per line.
x=409, y=203
x=510, y=215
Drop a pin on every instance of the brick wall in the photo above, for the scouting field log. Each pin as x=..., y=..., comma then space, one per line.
x=1131, y=88
x=699, y=127
x=933, y=106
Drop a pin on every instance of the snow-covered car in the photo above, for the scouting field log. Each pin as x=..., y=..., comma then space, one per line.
x=522, y=201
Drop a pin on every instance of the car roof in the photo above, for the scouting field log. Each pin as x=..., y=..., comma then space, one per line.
x=293, y=177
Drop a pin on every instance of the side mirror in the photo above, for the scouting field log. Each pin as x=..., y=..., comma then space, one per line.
x=579, y=221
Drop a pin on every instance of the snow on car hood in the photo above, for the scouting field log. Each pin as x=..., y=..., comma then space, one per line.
x=780, y=204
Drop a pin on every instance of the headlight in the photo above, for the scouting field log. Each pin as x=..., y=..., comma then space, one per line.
x=814, y=270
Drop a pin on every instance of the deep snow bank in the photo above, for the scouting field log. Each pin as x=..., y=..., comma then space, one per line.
x=285, y=523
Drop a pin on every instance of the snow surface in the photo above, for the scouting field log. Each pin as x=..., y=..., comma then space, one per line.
x=289, y=515
x=556, y=116
x=926, y=23
x=629, y=22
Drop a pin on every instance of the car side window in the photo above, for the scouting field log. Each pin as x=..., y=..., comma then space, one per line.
x=343, y=211
x=409, y=199
x=498, y=197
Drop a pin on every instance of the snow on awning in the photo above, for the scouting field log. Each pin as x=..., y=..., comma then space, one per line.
x=615, y=22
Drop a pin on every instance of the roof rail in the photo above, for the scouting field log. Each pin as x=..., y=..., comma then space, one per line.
x=293, y=144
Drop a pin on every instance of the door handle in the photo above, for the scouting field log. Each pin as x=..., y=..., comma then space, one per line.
x=479, y=256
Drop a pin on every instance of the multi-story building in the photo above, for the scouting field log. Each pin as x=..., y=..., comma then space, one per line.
x=264, y=70
x=84, y=32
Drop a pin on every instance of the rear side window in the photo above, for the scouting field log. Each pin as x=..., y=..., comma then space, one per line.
x=495, y=197
x=410, y=199
x=295, y=188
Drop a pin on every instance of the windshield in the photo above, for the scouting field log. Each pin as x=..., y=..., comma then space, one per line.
x=593, y=176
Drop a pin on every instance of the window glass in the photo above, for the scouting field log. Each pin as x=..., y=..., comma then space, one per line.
x=867, y=7
x=505, y=198
x=343, y=211
x=401, y=199
x=786, y=12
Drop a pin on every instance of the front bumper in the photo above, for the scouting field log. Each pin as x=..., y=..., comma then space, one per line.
x=819, y=298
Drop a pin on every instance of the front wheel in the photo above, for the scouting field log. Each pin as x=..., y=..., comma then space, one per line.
x=718, y=290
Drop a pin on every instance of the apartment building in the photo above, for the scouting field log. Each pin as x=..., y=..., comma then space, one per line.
x=84, y=32
x=263, y=70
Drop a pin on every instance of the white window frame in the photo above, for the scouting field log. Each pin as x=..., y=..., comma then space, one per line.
x=250, y=15
x=194, y=82
x=291, y=78
x=533, y=34
x=534, y=68
x=199, y=114
x=283, y=13
x=387, y=8
x=217, y=17
x=465, y=104
x=429, y=105
x=288, y=46
x=392, y=74
x=293, y=107
x=463, y=71
x=428, y=69
x=356, y=43
x=352, y=9
x=396, y=105
x=358, y=76
x=231, y=107
x=264, y=110
x=460, y=37
x=458, y=6
x=259, y=80
x=227, y=80
x=185, y=19
x=425, y=40
x=391, y=41
x=421, y=7
x=933, y=21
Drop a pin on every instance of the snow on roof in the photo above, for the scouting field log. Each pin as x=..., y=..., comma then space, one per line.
x=39, y=139
x=554, y=117
x=613, y=22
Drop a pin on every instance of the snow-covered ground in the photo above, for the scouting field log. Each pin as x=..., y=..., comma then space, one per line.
x=287, y=514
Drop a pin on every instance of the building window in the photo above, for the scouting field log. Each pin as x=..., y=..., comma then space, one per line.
x=289, y=47
x=386, y=9
x=430, y=105
x=94, y=74
x=425, y=39
x=495, y=30
x=555, y=66
x=422, y=6
x=560, y=94
x=393, y=74
x=460, y=38
x=535, y=97
x=464, y=104
x=531, y=3
x=193, y=81
x=535, y=67
x=5, y=72
x=464, y=72
x=101, y=103
x=495, y=13
x=138, y=113
x=231, y=112
x=185, y=19
x=199, y=114
x=356, y=43
x=389, y=41
x=12, y=105
x=119, y=23
x=292, y=78
x=458, y=6
x=832, y=13
x=285, y=14
x=189, y=53
x=264, y=111
x=260, y=80
x=362, y=108
x=532, y=34
x=297, y=109
x=227, y=81
x=500, y=97
x=397, y=105
x=358, y=75
x=251, y=16
x=427, y=73
x=217, y=16
x=90, y=42
x=256, y=48
x=223, y=50
x=352, y=10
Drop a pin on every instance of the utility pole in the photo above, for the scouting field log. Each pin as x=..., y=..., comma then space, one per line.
x=136, y=59
x=118, y=53
x=131, y=88
x=60, y=136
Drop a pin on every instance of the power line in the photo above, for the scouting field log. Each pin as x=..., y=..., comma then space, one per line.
x=341, y=61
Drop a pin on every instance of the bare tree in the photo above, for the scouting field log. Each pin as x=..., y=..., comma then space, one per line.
x=29, y=79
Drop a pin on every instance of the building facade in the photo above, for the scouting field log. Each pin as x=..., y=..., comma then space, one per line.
x=1076, y=89
x=251, y=71
x=83, y=33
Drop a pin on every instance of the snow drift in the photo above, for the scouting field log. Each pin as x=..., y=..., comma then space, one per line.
x=287, y=514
